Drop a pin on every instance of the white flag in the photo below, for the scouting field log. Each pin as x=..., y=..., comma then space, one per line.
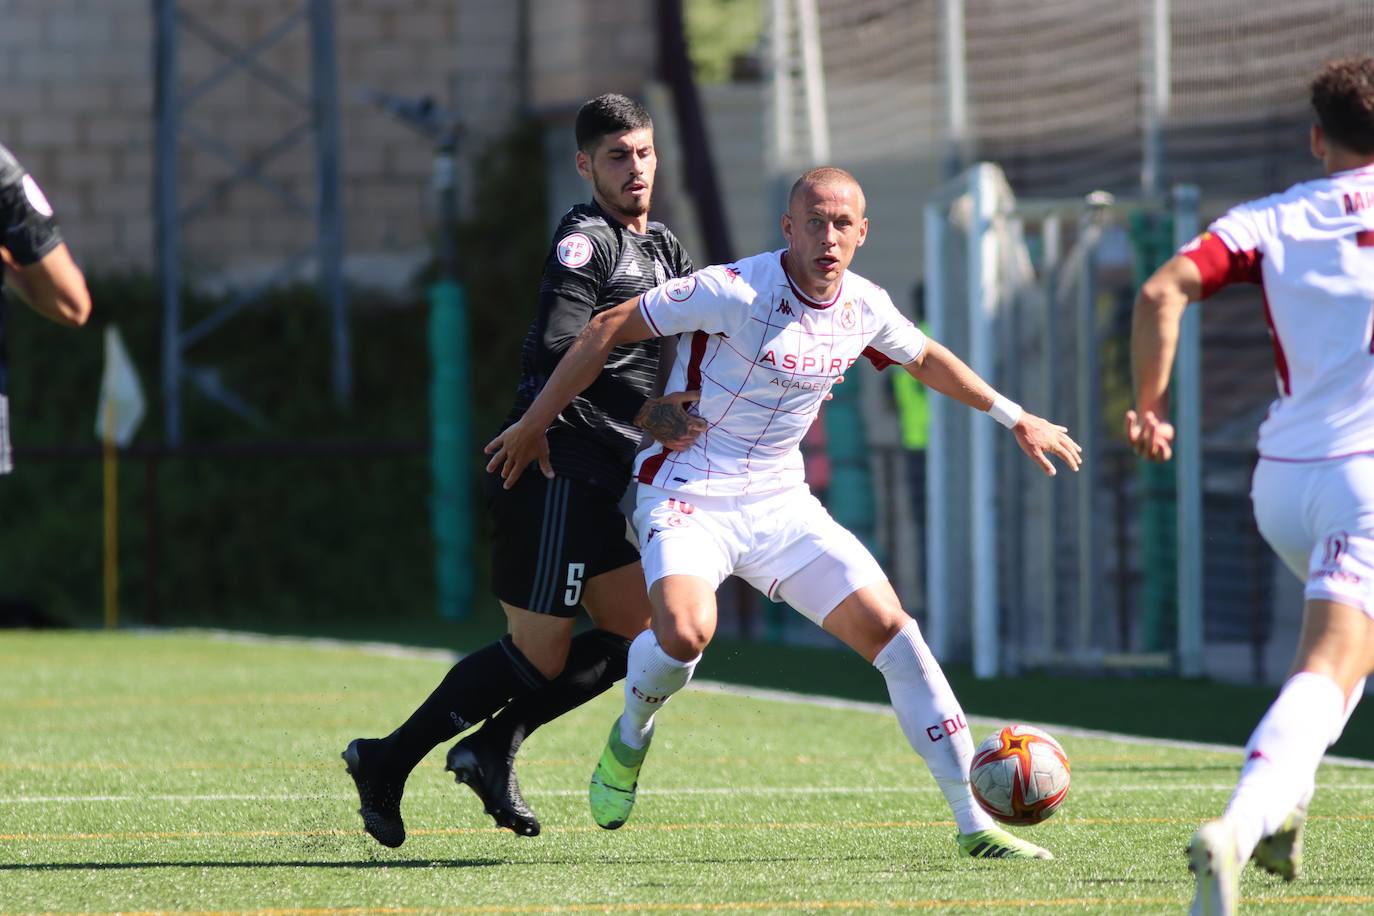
x=121, y=396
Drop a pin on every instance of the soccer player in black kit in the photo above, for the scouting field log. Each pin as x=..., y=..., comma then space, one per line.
x=559, y=537
x=38, y=269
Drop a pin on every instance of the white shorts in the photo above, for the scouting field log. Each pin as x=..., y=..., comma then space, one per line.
x=783, y=543
x=1319, y=518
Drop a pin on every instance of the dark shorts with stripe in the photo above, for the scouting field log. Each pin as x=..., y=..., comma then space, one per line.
x=549, y=537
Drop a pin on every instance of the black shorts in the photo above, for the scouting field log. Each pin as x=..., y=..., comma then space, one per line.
x=549, y=537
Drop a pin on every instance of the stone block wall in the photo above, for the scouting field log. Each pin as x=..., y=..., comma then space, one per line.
x=78, y=110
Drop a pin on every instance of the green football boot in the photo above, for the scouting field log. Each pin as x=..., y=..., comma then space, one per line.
x=1280, y=853
x=1214, y=859
x=996, y=843
x=612, y=791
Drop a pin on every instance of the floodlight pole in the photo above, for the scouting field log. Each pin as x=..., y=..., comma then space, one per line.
x=1188, y=455
x=176, y=93
x=1154, y=86
x=955, y=86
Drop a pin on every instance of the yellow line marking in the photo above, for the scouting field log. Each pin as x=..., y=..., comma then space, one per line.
x=736, y=906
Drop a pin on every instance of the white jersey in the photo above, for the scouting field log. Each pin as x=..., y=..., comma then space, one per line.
x=1311, y=249
x=763, y=356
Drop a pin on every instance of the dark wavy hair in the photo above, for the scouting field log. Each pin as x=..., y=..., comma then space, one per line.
x=1343, y=98
x=607, y=114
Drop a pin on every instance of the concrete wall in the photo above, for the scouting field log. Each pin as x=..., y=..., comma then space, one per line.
x=78, y=110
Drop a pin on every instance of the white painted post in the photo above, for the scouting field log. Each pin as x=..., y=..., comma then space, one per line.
x=938, y=502
x=982, y=273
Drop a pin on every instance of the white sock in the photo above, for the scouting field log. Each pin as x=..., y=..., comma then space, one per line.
x=652, y=677
x=1282, y=756
x=1351, y=701
x=932, y=721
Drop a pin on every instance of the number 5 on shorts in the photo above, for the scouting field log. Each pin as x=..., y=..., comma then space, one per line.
x=573, y=594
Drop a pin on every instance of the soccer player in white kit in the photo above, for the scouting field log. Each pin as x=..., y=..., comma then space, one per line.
x=763, y=340
x=1311, y=249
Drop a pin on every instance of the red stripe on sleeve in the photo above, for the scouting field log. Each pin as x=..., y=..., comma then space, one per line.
x=1219, y=265
x=644, y=310
x=699, y=339
x=879, y=361
x=650, y=468
x=1280, y=359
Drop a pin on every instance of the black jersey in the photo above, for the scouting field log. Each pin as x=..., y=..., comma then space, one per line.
x=27, y=229
x=596, y=263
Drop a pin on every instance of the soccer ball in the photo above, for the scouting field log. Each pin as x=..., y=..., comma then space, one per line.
x=1019, y=775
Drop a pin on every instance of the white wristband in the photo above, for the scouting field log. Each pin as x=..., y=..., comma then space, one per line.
x=1005, y=411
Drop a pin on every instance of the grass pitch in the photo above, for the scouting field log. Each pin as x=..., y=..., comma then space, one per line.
x=176, y=773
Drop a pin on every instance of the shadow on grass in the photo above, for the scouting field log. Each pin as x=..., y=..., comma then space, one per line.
x=362, y=863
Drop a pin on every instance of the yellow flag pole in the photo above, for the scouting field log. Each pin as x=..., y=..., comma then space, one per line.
x=111, y=463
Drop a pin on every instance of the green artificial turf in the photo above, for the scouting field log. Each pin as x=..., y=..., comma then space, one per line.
x=176, y=773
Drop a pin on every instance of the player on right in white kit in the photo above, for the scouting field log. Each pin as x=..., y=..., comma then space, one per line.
x=763, y=341
x=1311, y=249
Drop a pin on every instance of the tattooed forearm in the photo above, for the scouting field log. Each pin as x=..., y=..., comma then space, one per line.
x=664, y=421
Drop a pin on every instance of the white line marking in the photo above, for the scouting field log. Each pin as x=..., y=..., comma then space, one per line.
x=882, y=709
x=758, y=693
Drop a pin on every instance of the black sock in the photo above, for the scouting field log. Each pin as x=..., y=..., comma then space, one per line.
x=473, y=689
x=596, y=660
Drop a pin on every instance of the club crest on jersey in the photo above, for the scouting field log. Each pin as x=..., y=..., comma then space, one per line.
x=681, y=289
x=847, y=319
x=574, y=250
x=35, y=195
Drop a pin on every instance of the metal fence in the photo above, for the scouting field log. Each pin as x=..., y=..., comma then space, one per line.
x=1124, y=565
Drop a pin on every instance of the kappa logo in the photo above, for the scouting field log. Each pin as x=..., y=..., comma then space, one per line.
x=574, y=250
x=786, y=308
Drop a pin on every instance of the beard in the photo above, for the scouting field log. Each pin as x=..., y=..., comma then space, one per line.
x=621, y=201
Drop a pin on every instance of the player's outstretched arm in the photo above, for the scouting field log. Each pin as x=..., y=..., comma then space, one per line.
x=524, y=441
x=53, y=286
x=942, y=371
x=1154, y=342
